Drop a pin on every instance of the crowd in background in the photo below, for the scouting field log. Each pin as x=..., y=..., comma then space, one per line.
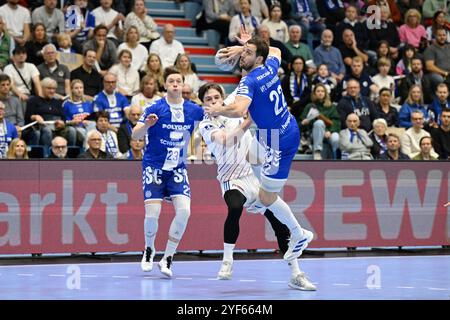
x=364, y=79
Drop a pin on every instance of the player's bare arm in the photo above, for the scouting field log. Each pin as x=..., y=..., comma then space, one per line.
x=237, y=109
x=233, y=137
x=140, y=129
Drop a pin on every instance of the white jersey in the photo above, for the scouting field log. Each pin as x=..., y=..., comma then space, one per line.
x=231, y=159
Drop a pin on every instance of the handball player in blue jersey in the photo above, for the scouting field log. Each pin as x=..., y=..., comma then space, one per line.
x=168, y=123
x=260, y=93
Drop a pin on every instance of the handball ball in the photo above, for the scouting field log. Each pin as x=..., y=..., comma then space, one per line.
x=228, y=65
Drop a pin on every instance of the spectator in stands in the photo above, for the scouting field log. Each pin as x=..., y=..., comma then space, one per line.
x=305, y=14
x=184, y=66
x=154, y=68
x=106, y=50
x=139, y=52
x=296, y=87
x=110, y=143
x=59, y=149
x=188, y=94
x=426, y=146
x=356, y=103
x=441, y=136
x=349, y=49
x=437, y=59
x=24, y=75
x=430, y=7
x=79, y=111
x=34, y=45
x=88, y=74
x=112, y=101
x=127, y=76
x=383, y=79
x=259, y=8
x=410, y=140
x=412, y=103
x=322, y=119
x=383, y=51
x=285, y=7
x=412, y=31
x=416, y=76
x=94, y=142
x=17, y=150
x=218, y=17
x=113, y=20
x=243, y=17
x=124, y=133
x=143, y=22
x=136, y=150
x=52, y=18
x=8, y=132
x=351, y=22
x=357, y=72
x=404, y=66
x=332, y=11
x=65, y=43
x=331, y=56
x=14, y=112
x=391, y=7
x=18, y=20
x=393, y=149
x=6, y=45
x=354, y=142
x=148, y=93
x=53, y=69
x=379, y=138
x=405, y=5
x=439, y=21
x=79, y=23
x=323, y=76
x=286, y=57
x=387, y=31
x=439, y=103
x=277, y=27
x=385, y=110
x=47, y=108
x=167, y=47
x=296, y=47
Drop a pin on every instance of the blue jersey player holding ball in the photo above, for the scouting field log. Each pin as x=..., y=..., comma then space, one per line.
x=278, y=135
x=168, y=123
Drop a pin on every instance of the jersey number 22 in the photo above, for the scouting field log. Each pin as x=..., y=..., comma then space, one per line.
x=275, y=95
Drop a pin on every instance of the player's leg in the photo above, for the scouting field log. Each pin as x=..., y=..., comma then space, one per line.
x=235, y=202
x=179, y=191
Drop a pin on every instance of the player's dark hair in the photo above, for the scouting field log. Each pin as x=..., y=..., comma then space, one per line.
x=262, y=48
x=207, y=86
x=170, y=71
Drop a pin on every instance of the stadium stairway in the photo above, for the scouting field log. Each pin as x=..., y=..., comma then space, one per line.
x=201, y=48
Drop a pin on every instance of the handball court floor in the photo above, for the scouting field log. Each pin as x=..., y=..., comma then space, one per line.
x=343, y=278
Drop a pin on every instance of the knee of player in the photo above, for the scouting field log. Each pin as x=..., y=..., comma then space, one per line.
x=267, y=198
x=152, y=210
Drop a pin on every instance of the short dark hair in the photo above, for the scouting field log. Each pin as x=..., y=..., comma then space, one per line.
x=170, y=71
x=204, y=88
x=425, y=137
x=101, y=114
x=100, y=27
x=262, y=48
x=445, y=110
x=4, y=77
x=19, y=50
x=87, y=50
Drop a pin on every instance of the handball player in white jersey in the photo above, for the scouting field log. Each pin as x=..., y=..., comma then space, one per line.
x=260, y=94
x=229, y=140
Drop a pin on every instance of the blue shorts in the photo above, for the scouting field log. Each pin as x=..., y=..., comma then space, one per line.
x=280, y=148
x=160, y=184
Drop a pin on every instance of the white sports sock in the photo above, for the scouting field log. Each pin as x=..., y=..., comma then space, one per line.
x=283, y=213
x=228, y=251
x=150, y=229
x=171, y=247
x=293, y=265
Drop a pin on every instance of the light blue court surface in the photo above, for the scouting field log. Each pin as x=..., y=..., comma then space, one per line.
x=386, y=278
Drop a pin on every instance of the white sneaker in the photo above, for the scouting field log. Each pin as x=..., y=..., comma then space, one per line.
x=300, y=282
x=317, y=155
x=297, y=245
x=147, y=260
x=225, y=270
x=165, y=267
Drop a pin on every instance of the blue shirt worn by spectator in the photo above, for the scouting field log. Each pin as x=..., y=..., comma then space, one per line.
x=330, y=56
x=404, y=115
x=77, y=110
x=7, y=133
x=115, y=104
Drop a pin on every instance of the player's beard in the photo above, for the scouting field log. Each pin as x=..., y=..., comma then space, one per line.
x=247, y=67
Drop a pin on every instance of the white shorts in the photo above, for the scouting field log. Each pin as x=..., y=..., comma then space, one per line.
x=248, y=186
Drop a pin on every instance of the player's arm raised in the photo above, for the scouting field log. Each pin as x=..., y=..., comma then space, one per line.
x=232, y=137
x=140, y=129
x=237, y=109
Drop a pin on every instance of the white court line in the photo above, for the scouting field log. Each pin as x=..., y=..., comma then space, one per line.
x=89, y=275
x=56, y=275
x=341, y=284
x=183, y=278
x=151, y=277
x=121, y=277
x=236, y=261
x=247, y=280
x=25, y=274
x=277, y=281
x=438, y=289
x=405, y=287
x=212, y=279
